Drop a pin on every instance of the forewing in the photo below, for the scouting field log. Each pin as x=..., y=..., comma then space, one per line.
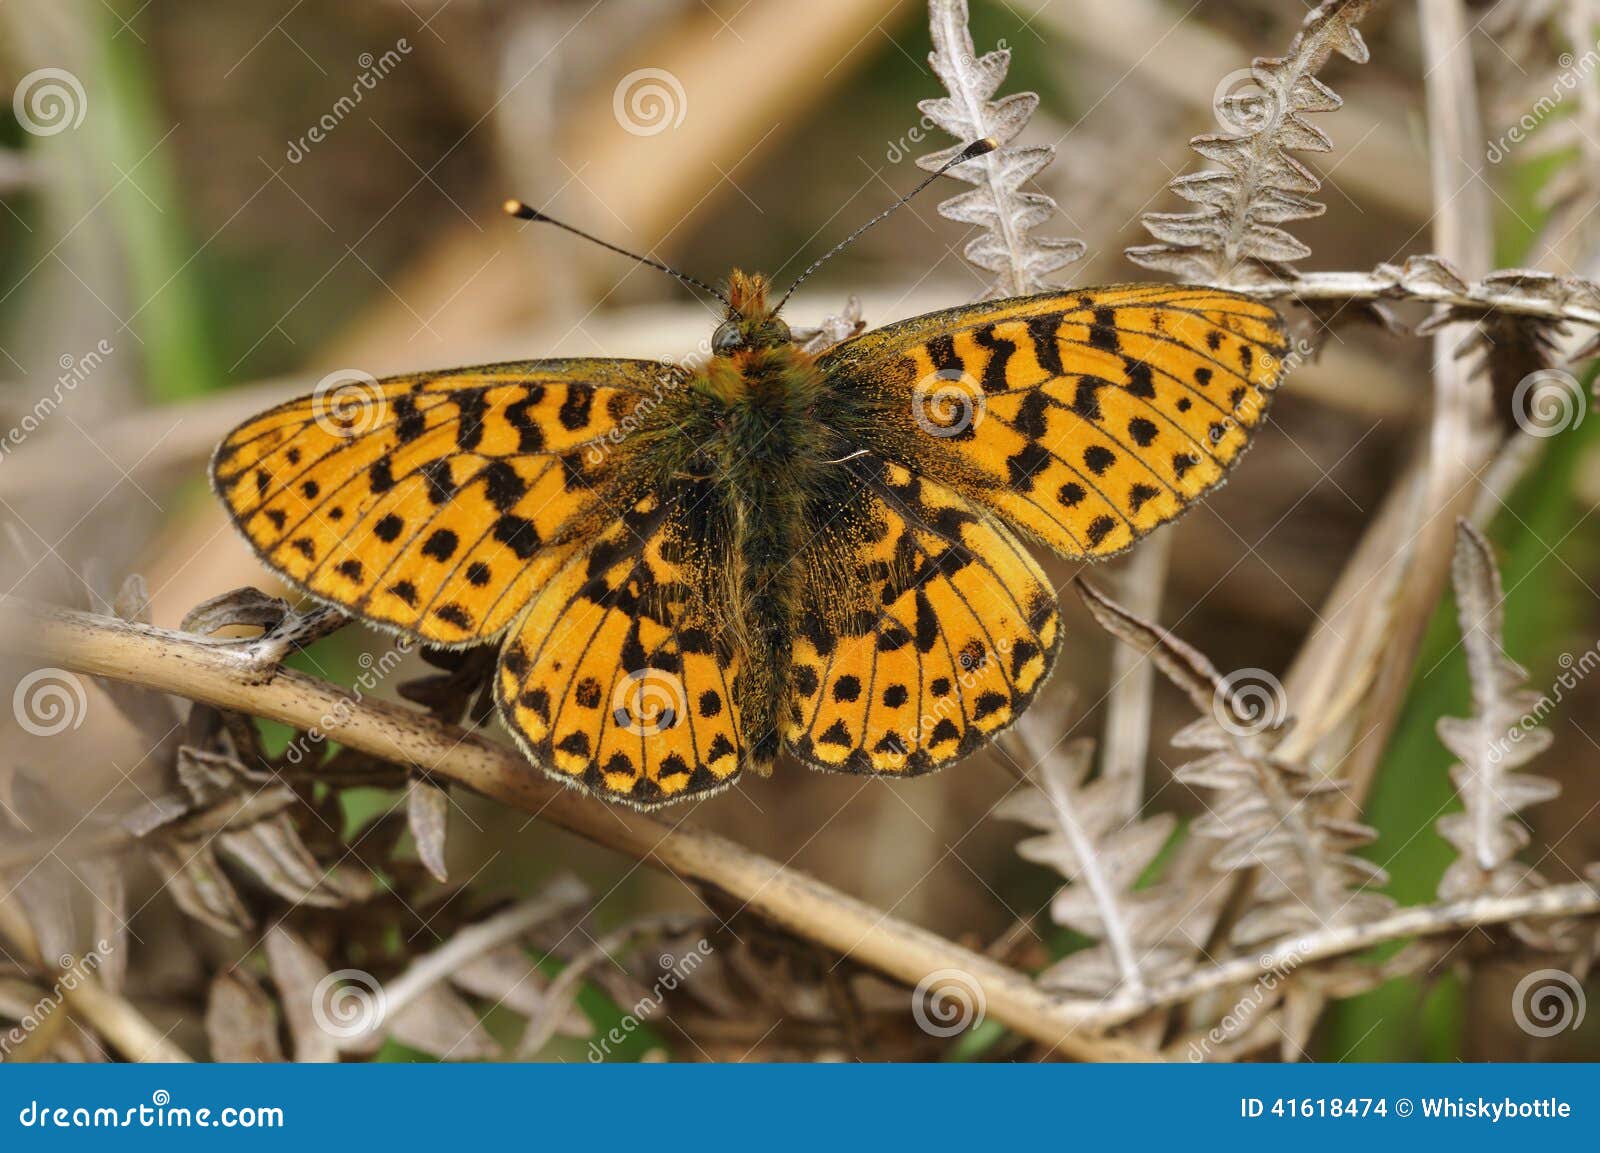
x=1086, y=418
x=622, y=676
x=426, y=503
x=958, y=630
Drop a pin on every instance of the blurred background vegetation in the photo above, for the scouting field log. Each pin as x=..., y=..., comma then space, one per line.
x=227, y=259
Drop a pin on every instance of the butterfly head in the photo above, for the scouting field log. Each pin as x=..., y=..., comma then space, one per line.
x=751, y=323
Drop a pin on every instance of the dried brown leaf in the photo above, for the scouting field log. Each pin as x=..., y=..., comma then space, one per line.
x=302, y=979
x=441, y=1024
x=999, y=204
x=1500, y=737
x=427, y=814
x=241, y=1022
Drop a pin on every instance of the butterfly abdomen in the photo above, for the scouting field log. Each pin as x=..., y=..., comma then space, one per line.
x=768, y=450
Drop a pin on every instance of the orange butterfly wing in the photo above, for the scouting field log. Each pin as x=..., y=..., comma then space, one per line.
x=430, y=503
x=958, y=632
x=621, y=676
x=1085, y=418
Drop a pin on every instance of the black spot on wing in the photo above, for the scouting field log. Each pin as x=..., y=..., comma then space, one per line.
x=517, y=534
x=1000, y=352
x=530, y=437
x=942, y=351
x=409, y=423
x=441, y=546
x=1103, y=332
x=574, y=412
x=380, y=475
x=473, y=407
x=440, y=485
x=1043, y=334
x=454, y=614
x=1097, y=458
x=1141, y=380
x=1021, y=467
x=503, y=485
x=1030, y=413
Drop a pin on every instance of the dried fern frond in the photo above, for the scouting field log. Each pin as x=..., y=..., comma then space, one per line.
x=1022, y=262
x=227, y=821
x=1259, y=185
x=1497, y=739
x=1541, y=113
x=1268, y=813
x=1087, y=839
x=1518, y=293
x=331, y=1008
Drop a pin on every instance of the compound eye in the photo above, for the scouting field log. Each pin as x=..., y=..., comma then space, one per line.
x=780, y=330
x=726, y=338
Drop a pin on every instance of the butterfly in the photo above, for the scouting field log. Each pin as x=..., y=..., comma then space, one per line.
x=691, y=569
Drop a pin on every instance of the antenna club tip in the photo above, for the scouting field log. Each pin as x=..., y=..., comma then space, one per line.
x=521, y=211
x=981, y=147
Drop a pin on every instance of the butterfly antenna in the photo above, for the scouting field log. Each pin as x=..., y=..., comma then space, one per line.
x=971, y=152
x=522, y=211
